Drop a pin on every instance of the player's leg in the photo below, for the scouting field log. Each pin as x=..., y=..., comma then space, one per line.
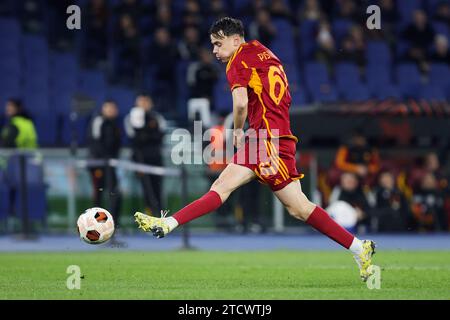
x=229, y=180
x=299, y=206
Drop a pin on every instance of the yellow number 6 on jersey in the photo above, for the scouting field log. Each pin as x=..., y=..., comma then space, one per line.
x=277, y=76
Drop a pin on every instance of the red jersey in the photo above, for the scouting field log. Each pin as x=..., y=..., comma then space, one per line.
x=255, y=67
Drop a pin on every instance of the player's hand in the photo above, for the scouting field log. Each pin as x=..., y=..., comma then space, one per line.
x=238, y=138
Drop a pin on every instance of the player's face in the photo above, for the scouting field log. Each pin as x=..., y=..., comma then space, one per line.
x=225, y=46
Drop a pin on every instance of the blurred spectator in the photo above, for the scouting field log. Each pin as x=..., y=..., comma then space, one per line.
x=60, y=38
x=32, y=15
x=350, y=191
x=391, y=207
x=390, y=14
x=224, y=218
x=326, y=50
x=428, y=205
x=389, y=20
x=441, y=52
x=430, y=163
x=132, y=8
x=19, y=131
x=249, y=199
x=163, y=19
x=353, y=47
x=202, y=76
x=420, y=35
x=358, y=157
x=311, y=11
x=163, y=55
x=104, y=144
x=145, y=128
x=279, y=9
x=128, y=44
x=217, y=9
x=262, y=28
x=192, y=15
x=189, y=46
x=348, y=9
x=96, y=47
x=442, y=13
x=252, y=8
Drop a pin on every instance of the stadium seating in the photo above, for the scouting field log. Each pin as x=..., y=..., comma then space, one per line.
x=432, y=93
x=308, y=30
x=318, y=83
x=47, y=79
x=378, y=52
x=408, y=78
x=439, y=75
x=349, y=84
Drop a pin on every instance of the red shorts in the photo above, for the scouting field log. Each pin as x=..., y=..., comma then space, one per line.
x=273, y=161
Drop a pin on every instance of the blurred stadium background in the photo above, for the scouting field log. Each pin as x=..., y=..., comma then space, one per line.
x=370, y=107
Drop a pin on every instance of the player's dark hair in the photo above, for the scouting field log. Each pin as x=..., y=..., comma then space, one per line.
x=229, y=26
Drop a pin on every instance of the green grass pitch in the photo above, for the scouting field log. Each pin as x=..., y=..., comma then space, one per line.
x=223, y=275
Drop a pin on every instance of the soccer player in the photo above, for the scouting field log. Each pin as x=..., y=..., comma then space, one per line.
x=260, y=92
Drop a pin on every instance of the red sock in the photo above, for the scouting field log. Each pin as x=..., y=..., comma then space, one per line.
x=209, y=202
x=321, y=221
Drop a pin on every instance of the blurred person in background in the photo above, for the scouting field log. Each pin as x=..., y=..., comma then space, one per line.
x=224, y=219
x=326, y=47
x=189, y=45
x=145, y=128
x=192, y=14
x=249, y=199
x=389, y=20
x=428, y=205
x=202, y=76
x=19, y=131
x=358, y=157
x=96, y=42
x=128, y=44
x=311, y=11
x=420, y=35
x=251, y=8
x=164, y=55
x=132, y=8
x=391, y=207
x=442, y=12
x=429, y=163
x=441, y=52
x=353, y=47
x=348, y=9
x=216, y=9
x=349, y=190
x=163, y=19
x=262, y=27
x=104, y=143
x=279, y=9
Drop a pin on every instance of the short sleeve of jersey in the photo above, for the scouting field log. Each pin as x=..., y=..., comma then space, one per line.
x=238, y=75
